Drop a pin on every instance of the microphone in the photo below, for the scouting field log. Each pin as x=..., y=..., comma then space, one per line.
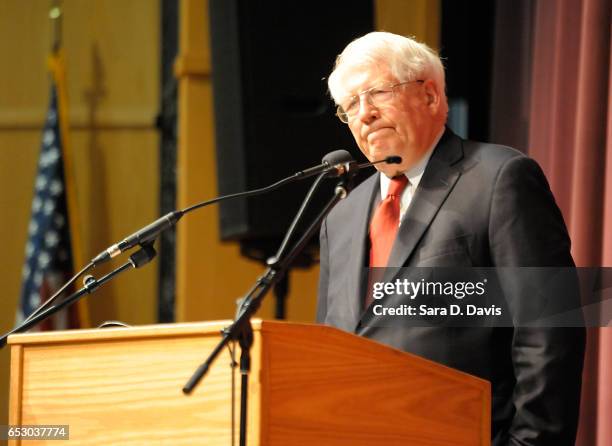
x=329, y=164
x=142, y=236
x=352, y=168
x=393, y=159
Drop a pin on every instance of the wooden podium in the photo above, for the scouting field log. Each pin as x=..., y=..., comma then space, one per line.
x=309, y=385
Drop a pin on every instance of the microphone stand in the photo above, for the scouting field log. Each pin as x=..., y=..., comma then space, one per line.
x=241, y=330
x=138, y=259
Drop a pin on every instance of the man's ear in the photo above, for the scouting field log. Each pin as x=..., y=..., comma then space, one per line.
x=432, y=96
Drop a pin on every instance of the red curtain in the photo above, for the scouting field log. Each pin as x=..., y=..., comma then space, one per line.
x=570, y=134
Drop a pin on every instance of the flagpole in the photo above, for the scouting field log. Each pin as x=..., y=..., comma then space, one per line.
x=56, y=65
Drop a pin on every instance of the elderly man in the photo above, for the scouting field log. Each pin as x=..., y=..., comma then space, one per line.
x=451, y=202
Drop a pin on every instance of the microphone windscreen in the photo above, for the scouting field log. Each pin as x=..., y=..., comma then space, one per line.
x=337, y=157
x=393, y=159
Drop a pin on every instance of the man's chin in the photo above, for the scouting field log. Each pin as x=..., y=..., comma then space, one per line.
x=390, y=170
x=376, y=154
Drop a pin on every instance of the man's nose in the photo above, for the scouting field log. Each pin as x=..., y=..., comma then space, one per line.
x=367, y=110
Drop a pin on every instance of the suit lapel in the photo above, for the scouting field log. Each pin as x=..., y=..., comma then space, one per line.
x=357, y=280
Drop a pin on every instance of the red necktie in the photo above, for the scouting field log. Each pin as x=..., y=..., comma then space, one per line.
x=385, y=223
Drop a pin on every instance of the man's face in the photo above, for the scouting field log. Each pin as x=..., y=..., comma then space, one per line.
x=406, y=125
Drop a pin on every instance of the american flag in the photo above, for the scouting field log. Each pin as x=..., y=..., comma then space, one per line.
x=48, y=259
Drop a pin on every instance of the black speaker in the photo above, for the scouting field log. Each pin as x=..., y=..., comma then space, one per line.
x=467, y=37
x=273, y=114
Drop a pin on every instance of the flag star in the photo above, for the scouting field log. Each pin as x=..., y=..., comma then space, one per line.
x=32, y=227
x=38, y=278
x=36, y=204
x=43, y=259
x=34, y=300
x=49, y=157
x=51, y=239
x=49, y=206
x=48, y=137
x=41, y=182
x=25, y=272
x=53, y=154
x=51, y=117
x=56, y=187
x=44, y=160
x=29, y=249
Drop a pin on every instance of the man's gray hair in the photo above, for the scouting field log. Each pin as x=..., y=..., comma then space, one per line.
x=407, y=59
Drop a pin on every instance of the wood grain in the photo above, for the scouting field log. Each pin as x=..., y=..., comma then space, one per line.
x=123, y=386
x=333, y=388
x=16, y=384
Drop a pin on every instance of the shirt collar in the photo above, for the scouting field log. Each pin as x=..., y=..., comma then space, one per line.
x=414, y=174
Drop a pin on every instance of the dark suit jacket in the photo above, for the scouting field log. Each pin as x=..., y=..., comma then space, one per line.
x=476, y=205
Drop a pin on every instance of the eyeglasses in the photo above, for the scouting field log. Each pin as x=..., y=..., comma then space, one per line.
x=377, y=96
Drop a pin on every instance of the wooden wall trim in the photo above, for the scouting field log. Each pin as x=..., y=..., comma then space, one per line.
x=80, y=118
